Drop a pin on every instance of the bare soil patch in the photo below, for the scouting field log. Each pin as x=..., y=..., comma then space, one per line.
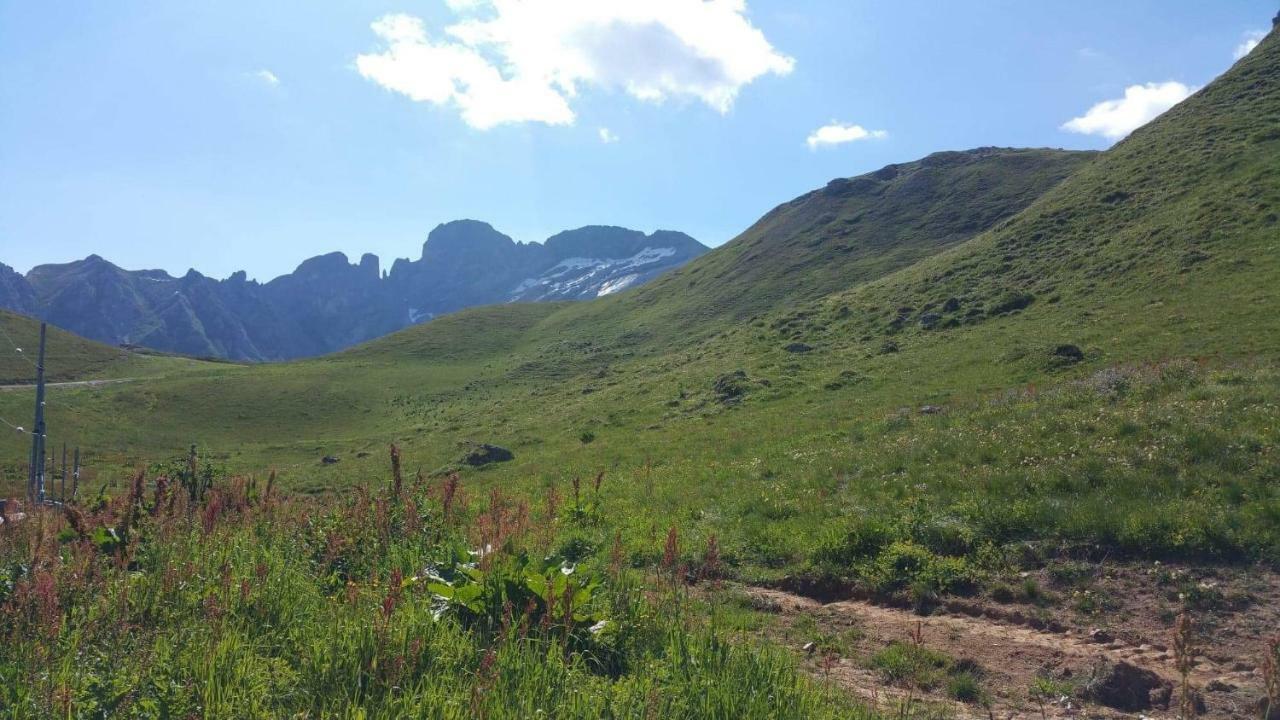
x=1083, y=630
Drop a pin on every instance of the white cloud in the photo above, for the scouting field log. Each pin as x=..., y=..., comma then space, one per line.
x=511, y=61
x=607, y=137
x=1140, y=105
x=839, y=133
x=267, y=77
x=1249, y=42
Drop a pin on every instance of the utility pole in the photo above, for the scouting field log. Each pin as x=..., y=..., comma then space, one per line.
x=35, y=482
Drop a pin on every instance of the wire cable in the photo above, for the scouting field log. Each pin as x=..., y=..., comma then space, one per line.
x=17, y=348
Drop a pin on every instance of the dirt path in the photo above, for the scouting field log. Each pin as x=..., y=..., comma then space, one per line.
x=1010, y=653
x=74, y=383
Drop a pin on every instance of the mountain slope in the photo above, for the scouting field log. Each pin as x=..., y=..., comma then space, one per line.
x=1179, y=222
x=850, y=232
x=857, y=229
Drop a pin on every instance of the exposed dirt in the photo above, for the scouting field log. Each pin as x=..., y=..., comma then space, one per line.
x=1068, y=626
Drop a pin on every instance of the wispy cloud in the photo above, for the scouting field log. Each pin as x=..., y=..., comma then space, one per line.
x=1248, y=42
x=836, y=133
x=267, y=77
x=1114, y=119
x=607, y=137
x=514, y=61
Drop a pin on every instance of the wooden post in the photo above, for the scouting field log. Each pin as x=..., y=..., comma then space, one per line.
x=75, y=475
x=35, y=480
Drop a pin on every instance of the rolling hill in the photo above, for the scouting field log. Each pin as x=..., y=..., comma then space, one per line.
x=69, y=357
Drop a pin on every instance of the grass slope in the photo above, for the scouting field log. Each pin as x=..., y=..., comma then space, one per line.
x=69, y=357
x=1162, y=248
x=857, y=229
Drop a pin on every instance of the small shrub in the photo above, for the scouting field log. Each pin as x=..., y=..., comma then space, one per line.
x=1031, y=591
x=860, y=542
x=910, y=664
x=964, y=686
x=1002, y=593
x=1010, y=302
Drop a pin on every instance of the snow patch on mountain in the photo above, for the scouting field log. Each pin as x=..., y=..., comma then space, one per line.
x=583, y=277
x=615, y=285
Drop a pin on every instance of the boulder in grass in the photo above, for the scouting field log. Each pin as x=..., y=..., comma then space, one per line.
x=481, y=454
x=1127, y=687
x=1068, y=353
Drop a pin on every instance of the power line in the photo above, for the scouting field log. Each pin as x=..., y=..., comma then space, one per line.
x=17, y=348
x=19, y=428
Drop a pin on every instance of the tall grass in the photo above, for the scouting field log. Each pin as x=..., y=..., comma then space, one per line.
x=399, y=603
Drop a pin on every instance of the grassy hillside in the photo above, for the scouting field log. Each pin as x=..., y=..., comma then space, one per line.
x=854, y=230
x=69, y=357
x=1179, y=222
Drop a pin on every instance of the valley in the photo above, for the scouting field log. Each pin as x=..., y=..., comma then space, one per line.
x=954, y=438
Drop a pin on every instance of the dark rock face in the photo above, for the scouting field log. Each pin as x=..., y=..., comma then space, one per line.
x=479, y=454
x=328, y=303
x=15, y=292
x=1129, y=688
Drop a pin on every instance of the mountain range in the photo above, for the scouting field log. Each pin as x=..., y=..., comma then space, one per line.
x=328, y=303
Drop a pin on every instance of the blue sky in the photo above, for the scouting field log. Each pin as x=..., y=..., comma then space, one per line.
x=251, y=135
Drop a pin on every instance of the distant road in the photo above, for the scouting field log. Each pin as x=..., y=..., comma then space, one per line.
x=77, y=383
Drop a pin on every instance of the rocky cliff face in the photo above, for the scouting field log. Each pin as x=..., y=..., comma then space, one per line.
x=15, y=293
x=328, y=303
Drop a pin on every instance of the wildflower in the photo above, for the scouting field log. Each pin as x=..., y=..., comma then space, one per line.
x=671, y=551
x=396, y=478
